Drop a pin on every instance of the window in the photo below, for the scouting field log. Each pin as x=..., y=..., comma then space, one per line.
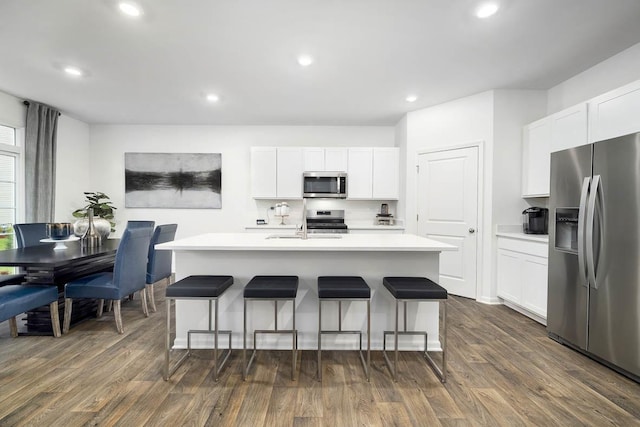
x=10, y=184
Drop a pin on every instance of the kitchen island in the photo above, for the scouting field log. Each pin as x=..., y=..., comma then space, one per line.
x=244, y=255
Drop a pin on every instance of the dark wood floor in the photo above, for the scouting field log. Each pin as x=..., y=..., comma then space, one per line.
x=503, y=370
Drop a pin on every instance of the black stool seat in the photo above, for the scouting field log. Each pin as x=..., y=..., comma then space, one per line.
x=414, y=288
x=199, y=287
x=343, y=287
x=285, y=287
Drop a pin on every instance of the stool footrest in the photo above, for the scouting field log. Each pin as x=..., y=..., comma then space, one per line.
x=294, y=332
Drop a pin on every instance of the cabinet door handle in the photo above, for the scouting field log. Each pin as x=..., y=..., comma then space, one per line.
x=472, y=230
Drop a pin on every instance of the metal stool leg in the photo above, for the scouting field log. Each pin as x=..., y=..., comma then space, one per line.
x=293, y=332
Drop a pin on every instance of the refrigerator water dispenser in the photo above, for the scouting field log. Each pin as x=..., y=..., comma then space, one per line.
x=567, y=229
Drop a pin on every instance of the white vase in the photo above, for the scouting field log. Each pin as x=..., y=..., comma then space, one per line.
x=102, y=225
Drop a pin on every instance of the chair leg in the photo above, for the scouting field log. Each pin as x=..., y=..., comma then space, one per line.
x=13, y=326
x=152, y=300
x=55, y=319
x=143, y=297
x=319, y=340
x=109, y=306
x=118, y=315
x=68, y=302
x=100, y=308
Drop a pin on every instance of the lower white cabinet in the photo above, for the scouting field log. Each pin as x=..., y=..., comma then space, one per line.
x=522, y=267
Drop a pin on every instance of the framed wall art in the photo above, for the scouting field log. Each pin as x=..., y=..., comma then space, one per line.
x=173, y=180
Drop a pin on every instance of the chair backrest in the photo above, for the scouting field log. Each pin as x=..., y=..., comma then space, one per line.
x=138, y=224
x=130, y=268
x=30, y=234
x=159, y=266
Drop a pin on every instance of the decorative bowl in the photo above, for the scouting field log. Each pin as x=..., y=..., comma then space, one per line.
x=59, y=230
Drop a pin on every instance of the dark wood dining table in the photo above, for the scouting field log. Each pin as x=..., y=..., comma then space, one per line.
x=45, y=265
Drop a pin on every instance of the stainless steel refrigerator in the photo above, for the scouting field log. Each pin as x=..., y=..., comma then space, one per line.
x=594, y=251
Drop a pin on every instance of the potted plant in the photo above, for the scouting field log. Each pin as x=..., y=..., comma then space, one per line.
x=103, y=212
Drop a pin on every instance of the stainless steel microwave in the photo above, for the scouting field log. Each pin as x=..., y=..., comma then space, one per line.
x=324, y=184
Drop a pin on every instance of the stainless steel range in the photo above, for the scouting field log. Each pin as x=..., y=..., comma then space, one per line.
x=326, y=221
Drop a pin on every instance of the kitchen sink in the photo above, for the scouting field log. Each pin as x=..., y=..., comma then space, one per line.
x=309, y=236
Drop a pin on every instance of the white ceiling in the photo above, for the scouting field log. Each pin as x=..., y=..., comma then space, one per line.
x=369, y=55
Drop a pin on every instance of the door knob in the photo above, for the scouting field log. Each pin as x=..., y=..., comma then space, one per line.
x=472, y=230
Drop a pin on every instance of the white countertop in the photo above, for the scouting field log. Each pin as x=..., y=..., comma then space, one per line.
x=515, y=232
x=359, y=225
x=344, y=242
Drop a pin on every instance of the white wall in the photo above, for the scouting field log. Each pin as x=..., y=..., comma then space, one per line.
x=72, y=167
x=493, y=119
x=463, y=121
x=610, y=74
x=12, y=111
x=110, y=142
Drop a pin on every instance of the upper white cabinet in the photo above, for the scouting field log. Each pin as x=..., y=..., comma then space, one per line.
x=372, y=173
x=360, y=173
x=276, y=172
x=386, y=173
x=569, y=128
x=289, y=173
x=336, y=159
x=562, y=130
x=313, y=159
x=263, y=172
x=615, y=113
x=325, y=159
x=536, y=160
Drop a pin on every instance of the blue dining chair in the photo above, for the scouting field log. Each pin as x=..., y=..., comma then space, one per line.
x=128, y=276
x=159, y=265
x=12, y=279
x=139, y=224
x=30, y=234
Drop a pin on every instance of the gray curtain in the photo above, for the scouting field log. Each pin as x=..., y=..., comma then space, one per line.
x=40, y=162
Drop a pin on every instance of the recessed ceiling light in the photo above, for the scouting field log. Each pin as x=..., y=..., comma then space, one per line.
x=486, y=10
x=411, y=98
x=73, y=71
x=130, y=9
x=212, y=97
x=305, y=60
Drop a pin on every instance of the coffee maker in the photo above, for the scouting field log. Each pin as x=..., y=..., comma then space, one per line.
x=535, y=220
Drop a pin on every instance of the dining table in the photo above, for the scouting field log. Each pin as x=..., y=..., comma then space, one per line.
x=44, y=265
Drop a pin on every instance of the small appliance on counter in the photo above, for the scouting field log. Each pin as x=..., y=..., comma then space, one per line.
x=384, y=217
x=535, y=220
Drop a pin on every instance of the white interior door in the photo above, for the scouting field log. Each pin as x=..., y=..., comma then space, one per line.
x=448, y=212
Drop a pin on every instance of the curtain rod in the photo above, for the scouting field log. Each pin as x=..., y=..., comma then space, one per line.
x=27, y=103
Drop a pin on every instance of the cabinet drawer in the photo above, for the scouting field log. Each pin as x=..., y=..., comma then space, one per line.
x=526, y=247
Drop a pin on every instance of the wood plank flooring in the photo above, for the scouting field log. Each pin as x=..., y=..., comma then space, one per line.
x=503, y=371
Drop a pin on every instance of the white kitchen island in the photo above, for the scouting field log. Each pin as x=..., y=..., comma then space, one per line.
x=244, y=255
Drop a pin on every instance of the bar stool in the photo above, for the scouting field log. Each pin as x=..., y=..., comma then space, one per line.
x=197, y=288
x=344, y=288
x=271, y=288
x=405, y=289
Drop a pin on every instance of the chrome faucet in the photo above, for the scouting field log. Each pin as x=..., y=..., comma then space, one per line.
x=303, y=229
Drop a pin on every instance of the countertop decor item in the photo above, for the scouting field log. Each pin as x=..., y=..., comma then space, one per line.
x=103, y=211
x=59, y=230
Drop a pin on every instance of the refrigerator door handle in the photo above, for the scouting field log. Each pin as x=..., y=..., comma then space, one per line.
x=581, y=230
x=591, y=211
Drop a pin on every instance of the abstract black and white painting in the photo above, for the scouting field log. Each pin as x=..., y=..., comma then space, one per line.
x=173, y=180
